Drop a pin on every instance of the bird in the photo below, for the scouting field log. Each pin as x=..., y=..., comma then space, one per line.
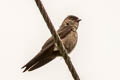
x=49, y=51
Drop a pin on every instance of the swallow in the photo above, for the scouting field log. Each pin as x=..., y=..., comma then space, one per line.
x=49, y=51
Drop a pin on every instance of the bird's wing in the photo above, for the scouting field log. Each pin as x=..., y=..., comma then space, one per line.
x=45, y=55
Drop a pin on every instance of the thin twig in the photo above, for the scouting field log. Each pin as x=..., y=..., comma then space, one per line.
x=57, y=39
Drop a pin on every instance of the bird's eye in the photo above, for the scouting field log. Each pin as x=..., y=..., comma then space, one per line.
x=67, y=24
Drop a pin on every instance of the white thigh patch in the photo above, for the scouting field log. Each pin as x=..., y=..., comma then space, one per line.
x=56, y=47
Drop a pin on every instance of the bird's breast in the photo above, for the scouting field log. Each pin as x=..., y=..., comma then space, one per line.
x=70, y=41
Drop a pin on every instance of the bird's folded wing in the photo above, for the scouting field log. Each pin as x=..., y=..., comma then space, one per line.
x=31, y=65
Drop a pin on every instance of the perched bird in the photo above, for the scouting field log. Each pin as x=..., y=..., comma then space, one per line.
x=50, y=51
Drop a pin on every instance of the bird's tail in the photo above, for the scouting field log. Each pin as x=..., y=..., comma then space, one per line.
x=38, y=61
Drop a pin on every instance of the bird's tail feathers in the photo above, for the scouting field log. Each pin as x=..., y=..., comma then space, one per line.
x=34, y=64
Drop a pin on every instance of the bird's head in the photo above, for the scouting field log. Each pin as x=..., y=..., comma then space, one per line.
x=71, y=21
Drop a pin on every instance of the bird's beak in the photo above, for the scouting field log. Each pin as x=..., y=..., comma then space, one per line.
x=78, y=20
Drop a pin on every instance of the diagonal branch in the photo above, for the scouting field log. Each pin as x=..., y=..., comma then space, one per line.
x=57, y=39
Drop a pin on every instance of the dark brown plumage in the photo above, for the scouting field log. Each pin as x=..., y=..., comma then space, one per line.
x=49, y=51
